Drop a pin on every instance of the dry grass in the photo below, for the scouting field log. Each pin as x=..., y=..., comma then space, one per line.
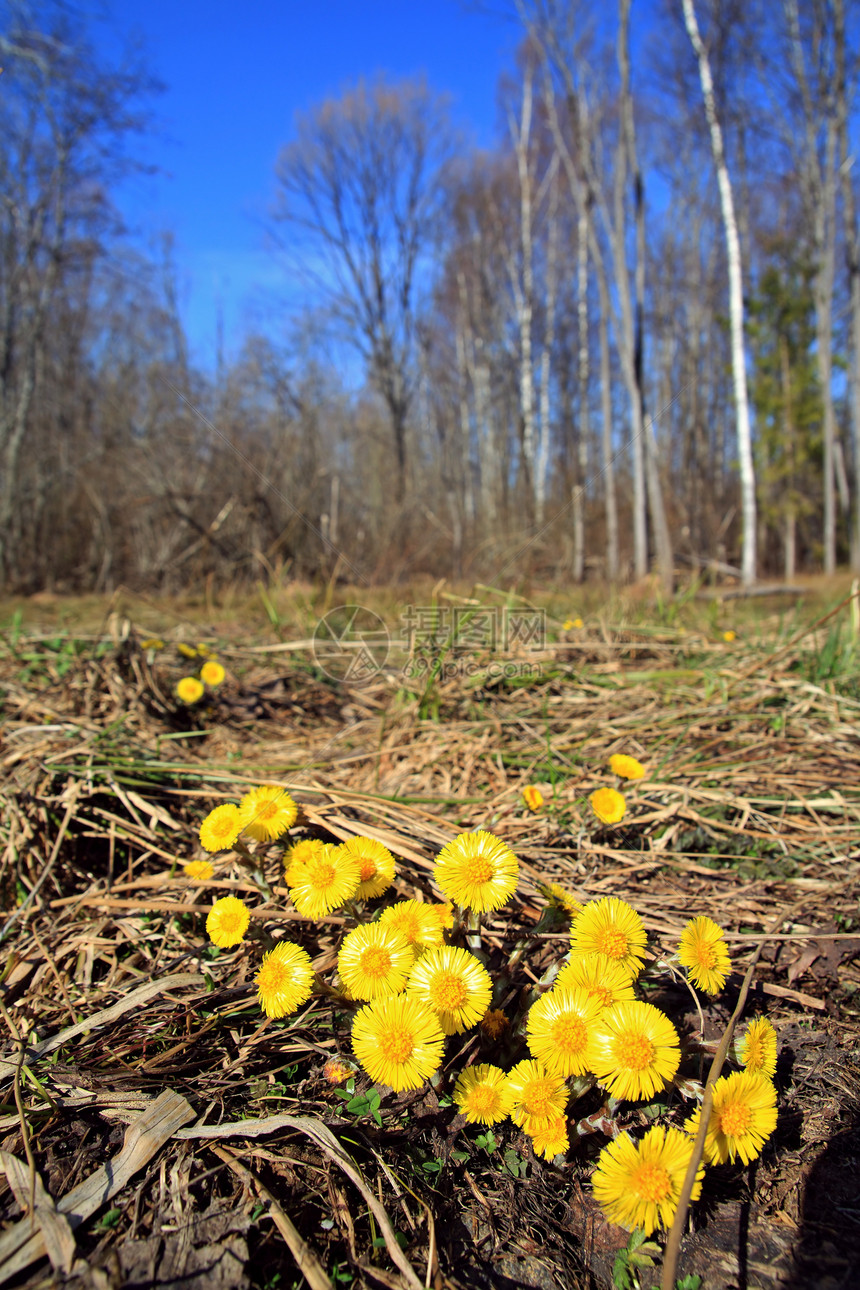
x=112, y=997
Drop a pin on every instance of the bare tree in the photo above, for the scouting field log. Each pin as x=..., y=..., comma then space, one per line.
x=63, y=120
x=841, y=92
x=736, y=298
x=360, y=193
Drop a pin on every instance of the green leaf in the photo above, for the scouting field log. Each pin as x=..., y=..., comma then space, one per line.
x=621, y=1276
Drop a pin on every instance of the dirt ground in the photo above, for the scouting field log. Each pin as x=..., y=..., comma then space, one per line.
x=135, y=1061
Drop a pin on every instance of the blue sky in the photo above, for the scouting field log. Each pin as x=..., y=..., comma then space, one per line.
x=235, y=76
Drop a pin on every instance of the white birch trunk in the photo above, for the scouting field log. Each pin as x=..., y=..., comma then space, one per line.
x=736, y=301
x=522, y=280
x=583, y=381
x=543, y=445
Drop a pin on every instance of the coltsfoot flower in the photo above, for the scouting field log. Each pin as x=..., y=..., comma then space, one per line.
x=638, y=1184
x=743, y=1117
x=536, y=1095
x=212, y=673
x=285, y=979
x=221, y=828
x=703, y=953
x=626, y=767
x=477, y=871
x=558, y=1027
x=550, y=1139
x=267, y=812
x=418, y=922
x=377, y=866
x=756, y=1048
x=298, y=856
x=633, y=1049
x=610, y=927
x=198, y=870
x=190, y=690
x=481, y=1092
x=327, y=881
x=607, y=979
x=608, y=805
x=398, y=1041
x=227, y=922
x=374, y=960
x=533, y=797
x=455, y=984
x=494, y=1023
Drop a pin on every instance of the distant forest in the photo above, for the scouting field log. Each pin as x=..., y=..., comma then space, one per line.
x=625, y=340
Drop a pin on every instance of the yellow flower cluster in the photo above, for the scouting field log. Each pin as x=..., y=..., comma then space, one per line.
x=263, y=814
x=411, y=990
x=211, y=673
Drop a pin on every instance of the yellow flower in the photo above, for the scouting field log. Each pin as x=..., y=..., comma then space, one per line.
x=536, y=1095
x=336, y=1070
x=203, y=649
x=561, y=898
x=606, y=979
x=445, y=914
x=550, y=1139
x=455, y=984
x=756, y=1050
x=419, y=923
x=267, y=812
x=633, y=1050
x=227, y=922
x=374, y=960
x=153, y=643
x=298, y=856
x=494, y=1023
x=329, y=880
x=567, y=625
x=703, y=953
x=187, y=651
x=212, y=673
x=532, y=797
x=638, y=1185
x=557, y=1029
x=198, y=870
x=625, y=767
x=478, y=871
x=377, y=866
x=743, y=1117
x=609, y=926
x=729, y=636
x=481, y=1092
x=398, y=1041
x=189, y=690
x=221, y=828
x=285, y=979
x=608, y=805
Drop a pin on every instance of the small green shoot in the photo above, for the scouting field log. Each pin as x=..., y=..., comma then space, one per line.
x=108, y=1221
x=362, y=1103
x=638, y=1253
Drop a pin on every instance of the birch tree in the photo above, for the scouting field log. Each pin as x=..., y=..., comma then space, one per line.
x=736, y=299
x=816, y=170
